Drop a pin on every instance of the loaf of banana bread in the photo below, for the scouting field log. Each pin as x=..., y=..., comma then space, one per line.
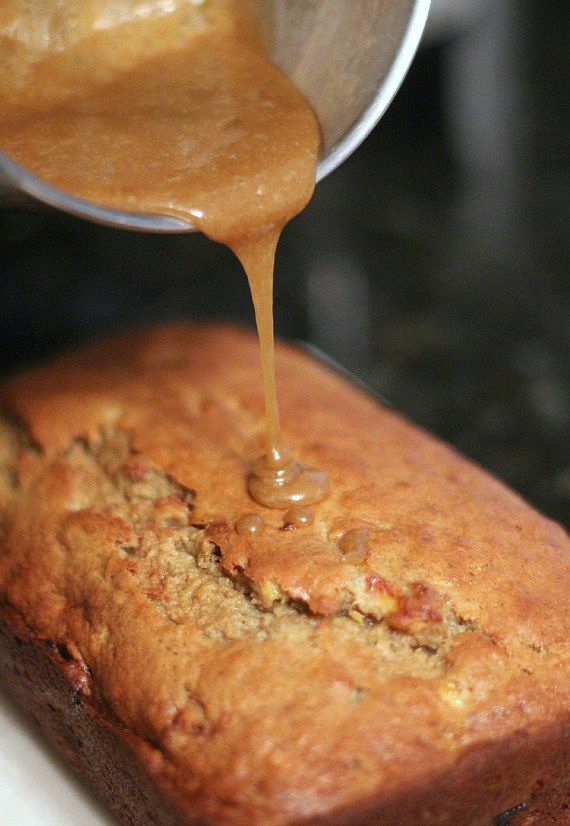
x=194, y=673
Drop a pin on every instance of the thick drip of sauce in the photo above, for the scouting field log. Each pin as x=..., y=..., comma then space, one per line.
x=276, y=480
x=257, y=255
x=176, y=111
x=281, y=482
x=354, y=544
x=298, y=517
x=250, y=524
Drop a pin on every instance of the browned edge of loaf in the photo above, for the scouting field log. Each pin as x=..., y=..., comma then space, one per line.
x=551, y=808
x=50, y=686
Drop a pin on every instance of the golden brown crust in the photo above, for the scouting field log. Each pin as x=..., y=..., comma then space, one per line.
x=276, y=680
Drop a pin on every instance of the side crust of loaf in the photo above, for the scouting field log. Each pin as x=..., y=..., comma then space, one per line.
x=196, y=676
x=54, y=689
x=550, y=808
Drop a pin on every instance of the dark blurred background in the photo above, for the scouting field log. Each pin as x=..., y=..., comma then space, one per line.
x=433, y=264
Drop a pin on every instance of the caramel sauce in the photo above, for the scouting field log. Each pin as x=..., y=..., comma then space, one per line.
x=353, y=545
x=250, y=524
x=171, y=110
x=298, y=517
x=279, y=482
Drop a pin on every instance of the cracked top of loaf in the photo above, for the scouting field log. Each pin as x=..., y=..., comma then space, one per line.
x=273, y=677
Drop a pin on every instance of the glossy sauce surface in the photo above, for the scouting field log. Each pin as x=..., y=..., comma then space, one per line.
x=298, y=517
x=173, y=109
x=250, y=524
x=353, y=544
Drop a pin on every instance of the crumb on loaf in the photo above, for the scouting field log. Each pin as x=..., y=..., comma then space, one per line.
x=273, y=679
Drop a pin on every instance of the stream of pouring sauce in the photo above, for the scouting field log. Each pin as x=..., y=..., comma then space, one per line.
x=170, y=109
